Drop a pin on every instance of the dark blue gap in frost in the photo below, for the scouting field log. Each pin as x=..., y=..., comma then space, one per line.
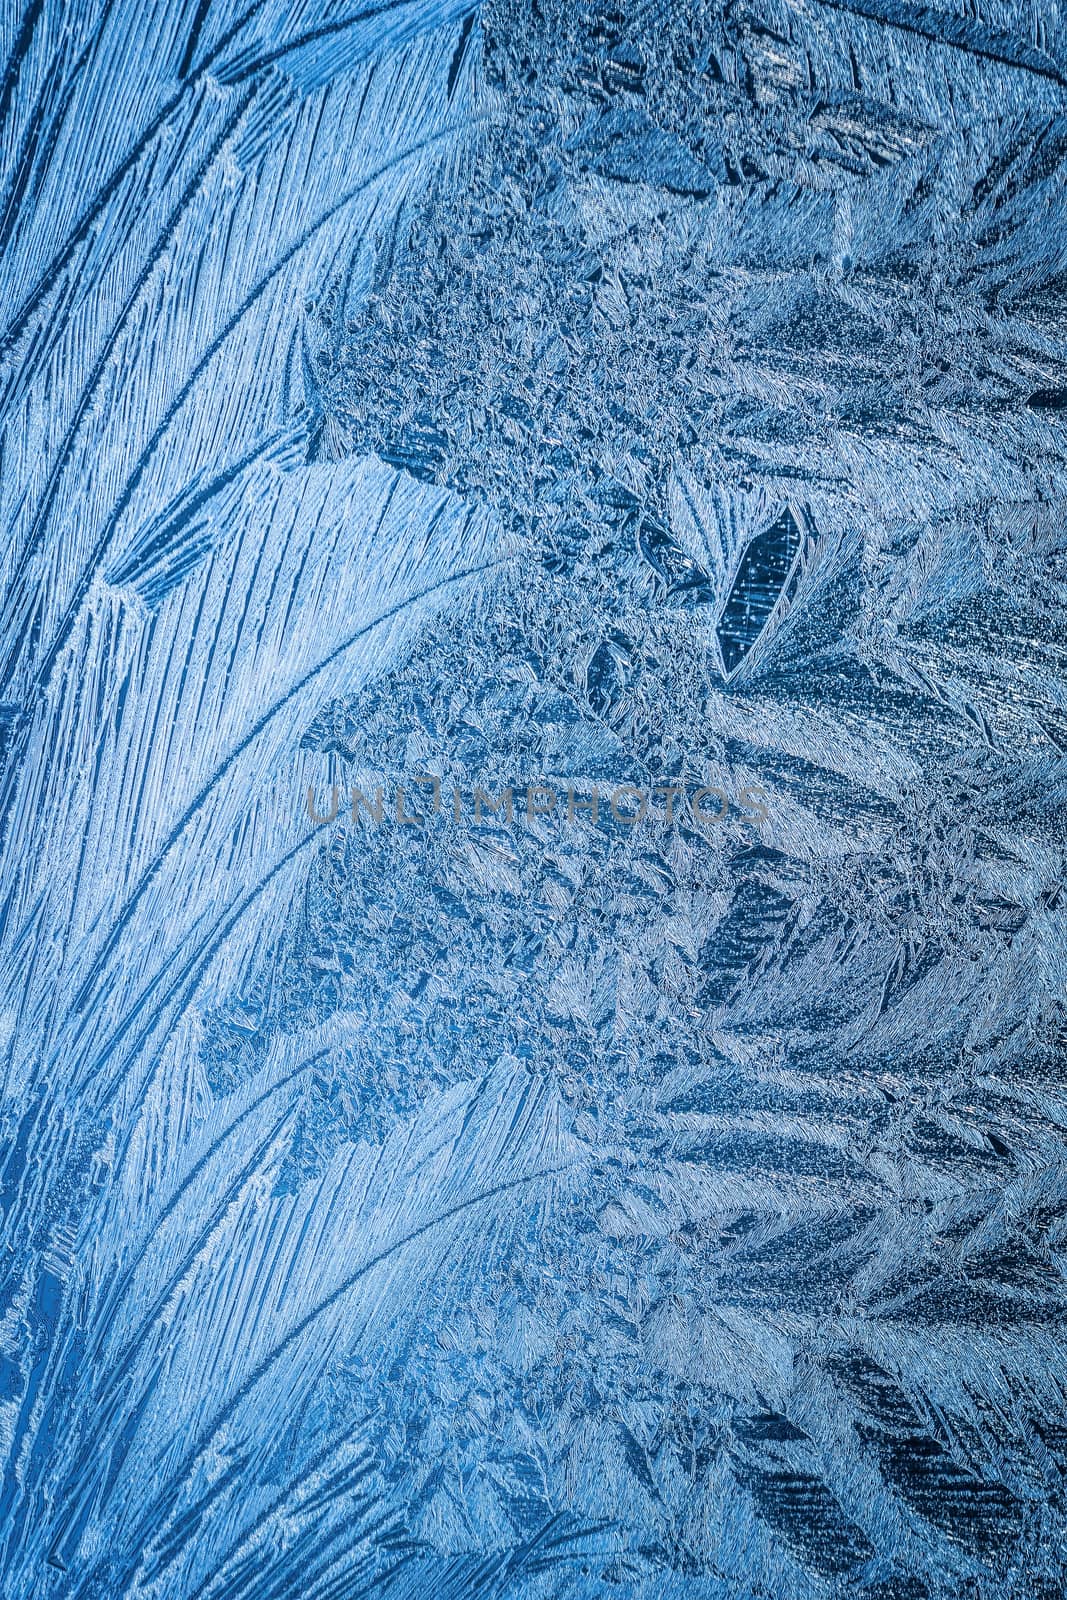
x=758, y=586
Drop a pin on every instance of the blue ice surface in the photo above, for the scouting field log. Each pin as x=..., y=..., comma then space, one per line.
x=629, y=440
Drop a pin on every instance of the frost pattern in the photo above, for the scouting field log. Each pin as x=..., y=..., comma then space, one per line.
x=653, y=395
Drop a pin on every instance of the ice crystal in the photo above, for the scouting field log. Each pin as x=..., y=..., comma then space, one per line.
x=440, y=404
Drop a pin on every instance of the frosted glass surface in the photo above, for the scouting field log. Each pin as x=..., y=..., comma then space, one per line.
x=533, y=738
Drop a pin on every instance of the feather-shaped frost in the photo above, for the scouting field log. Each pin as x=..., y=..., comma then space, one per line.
x=658, y=1195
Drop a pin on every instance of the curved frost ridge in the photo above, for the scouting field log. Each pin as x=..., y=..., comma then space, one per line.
x=652, y=399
